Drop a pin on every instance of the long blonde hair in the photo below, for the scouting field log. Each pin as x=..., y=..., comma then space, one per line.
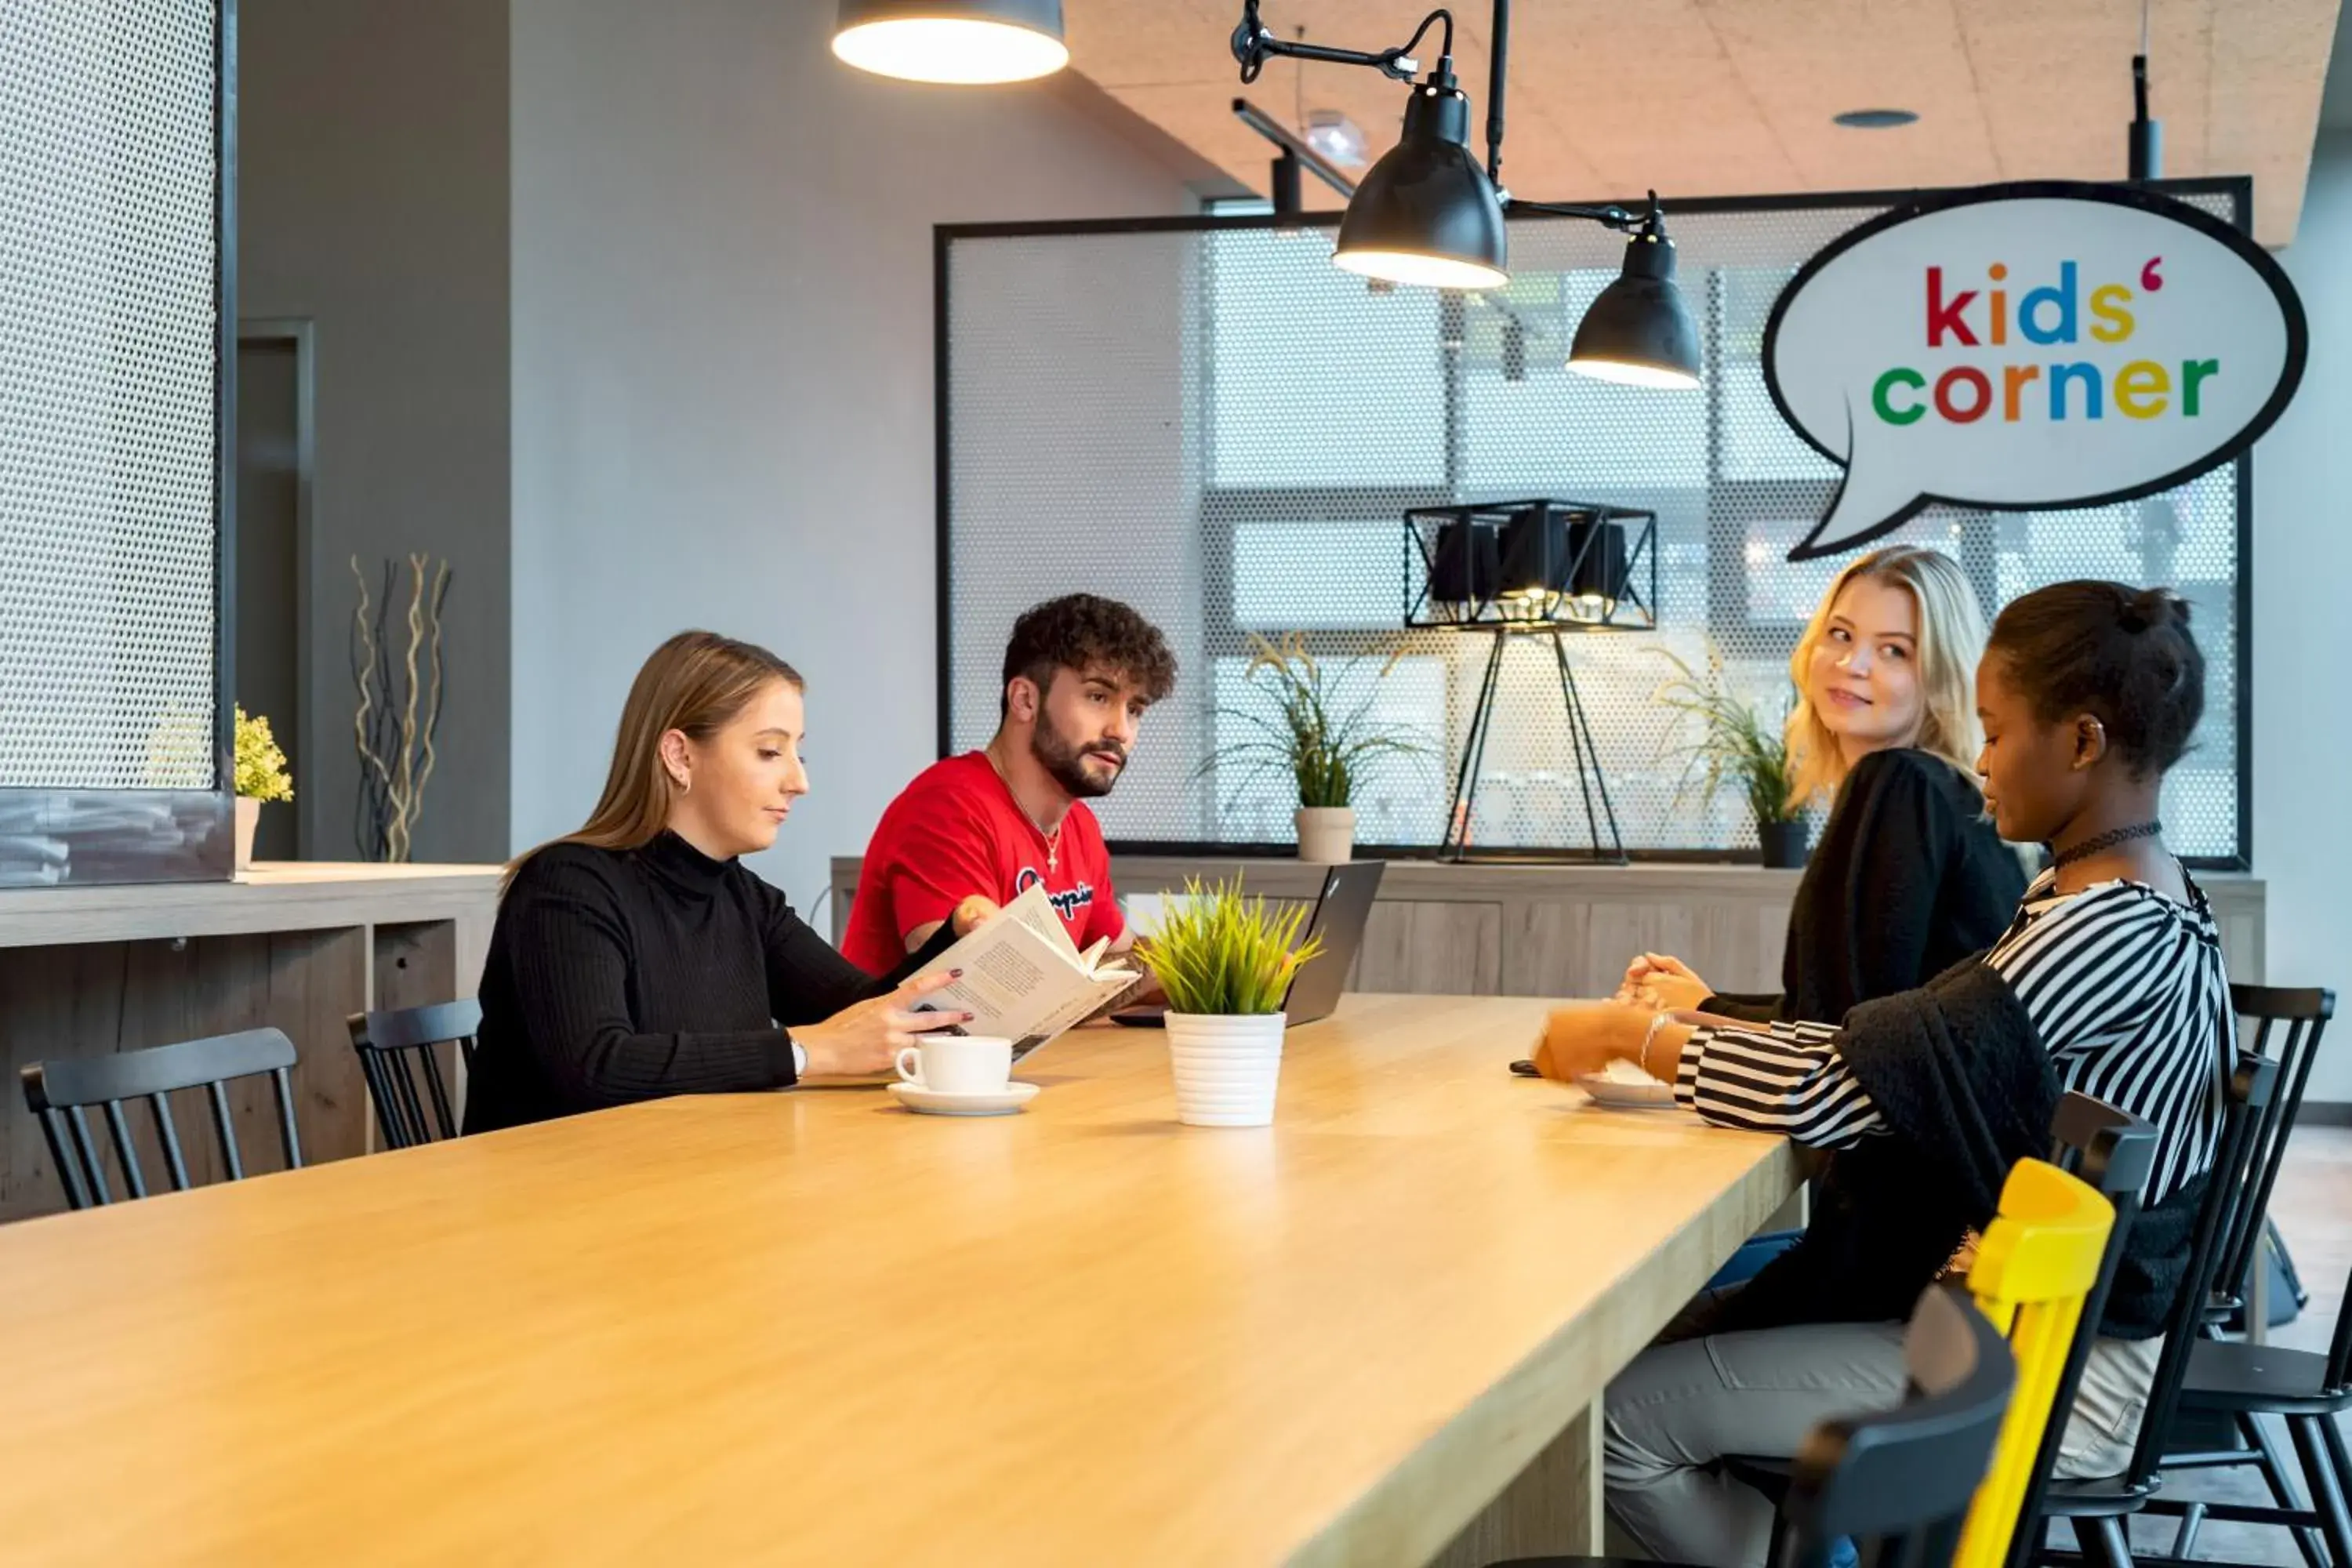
x=1951, y=641
x=696, y=683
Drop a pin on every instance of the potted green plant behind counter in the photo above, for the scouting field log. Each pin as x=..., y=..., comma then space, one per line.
x=260, y=776
x=1308, y=730
x=1225, y=962
x=1741, y=747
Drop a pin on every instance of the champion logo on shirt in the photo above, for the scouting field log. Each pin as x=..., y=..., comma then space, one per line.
x=1065, y=905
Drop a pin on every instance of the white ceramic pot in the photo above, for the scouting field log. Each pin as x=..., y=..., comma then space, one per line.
x=248, y=816
x=1228, y=1068
x=1327, y=833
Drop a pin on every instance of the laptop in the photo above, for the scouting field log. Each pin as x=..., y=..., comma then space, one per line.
x=1341, y=912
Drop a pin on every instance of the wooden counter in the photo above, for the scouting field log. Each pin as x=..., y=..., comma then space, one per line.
x=811, y=1328
x=1565, y=929
x=298, y=946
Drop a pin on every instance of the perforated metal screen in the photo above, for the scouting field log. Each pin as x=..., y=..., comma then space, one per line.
x=1224, y=430
x=108, y=343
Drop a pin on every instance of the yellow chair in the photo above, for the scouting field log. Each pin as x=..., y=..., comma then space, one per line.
x=2034, y=1265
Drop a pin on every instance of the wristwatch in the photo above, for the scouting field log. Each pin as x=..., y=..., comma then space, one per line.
x=800, y=1059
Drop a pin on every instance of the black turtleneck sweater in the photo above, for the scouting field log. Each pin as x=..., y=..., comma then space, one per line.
x=620, y=975
x=1909, y=880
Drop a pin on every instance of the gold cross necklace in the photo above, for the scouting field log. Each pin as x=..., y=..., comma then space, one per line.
x=1052, y=835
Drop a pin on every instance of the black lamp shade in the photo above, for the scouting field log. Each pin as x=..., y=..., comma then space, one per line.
x=1597, y=580
x=1639, y=331
x=1534, y=554
x=1550, y=555
x=1426, y=213
x=1467, y=567
x=952, y=40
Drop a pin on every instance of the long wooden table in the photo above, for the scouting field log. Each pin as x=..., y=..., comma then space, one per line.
x=811, y=1328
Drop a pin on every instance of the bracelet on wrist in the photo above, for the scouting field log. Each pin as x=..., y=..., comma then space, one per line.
x=1657, y=1021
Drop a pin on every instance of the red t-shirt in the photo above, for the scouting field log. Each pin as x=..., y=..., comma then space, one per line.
x=957, y=831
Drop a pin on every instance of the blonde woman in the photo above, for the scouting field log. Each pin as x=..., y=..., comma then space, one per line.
x=639, y=957
x=1910, y=877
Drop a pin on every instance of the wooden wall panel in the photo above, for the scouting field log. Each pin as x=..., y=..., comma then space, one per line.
x=1432, y=949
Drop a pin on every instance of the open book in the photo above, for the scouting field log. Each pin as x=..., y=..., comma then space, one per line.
x=1024, y=979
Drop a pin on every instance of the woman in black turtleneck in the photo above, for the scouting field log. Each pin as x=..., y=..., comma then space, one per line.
x=1910, y=876
x=639, y=957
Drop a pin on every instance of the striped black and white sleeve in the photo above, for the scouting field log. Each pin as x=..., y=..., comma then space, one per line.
x=1780, y=1078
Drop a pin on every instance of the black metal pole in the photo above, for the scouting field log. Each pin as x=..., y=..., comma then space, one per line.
x=1498, y=60
x=2146, y=135
x=1474, y=748
x=1285, y=185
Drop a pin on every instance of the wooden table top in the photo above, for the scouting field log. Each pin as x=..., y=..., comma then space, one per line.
x=810, y=1327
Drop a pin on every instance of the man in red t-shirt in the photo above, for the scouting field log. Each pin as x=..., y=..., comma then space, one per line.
x=976, y=831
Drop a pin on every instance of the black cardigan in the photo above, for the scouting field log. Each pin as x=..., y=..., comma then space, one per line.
x=1959, y=1077
x=1909, y=880
x=620, y=975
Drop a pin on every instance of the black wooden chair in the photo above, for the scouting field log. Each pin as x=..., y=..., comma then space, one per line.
x=58, y=1093
x=398, y=1047
x=2241, y=1383
x=1898, y=1483
x=2220, y=1427
x=2287, y=1025
x=2097, y=1507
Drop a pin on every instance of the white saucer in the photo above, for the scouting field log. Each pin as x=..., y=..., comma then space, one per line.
x=1606, y=1090
x=993, y=1102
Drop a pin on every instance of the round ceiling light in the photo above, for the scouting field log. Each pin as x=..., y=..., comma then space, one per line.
x=959, y=41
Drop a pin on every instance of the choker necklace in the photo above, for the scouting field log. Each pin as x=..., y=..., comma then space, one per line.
x=2090, y=847
x=1052, y=835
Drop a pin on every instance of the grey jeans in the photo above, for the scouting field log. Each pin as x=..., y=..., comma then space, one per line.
x=1682, y=1406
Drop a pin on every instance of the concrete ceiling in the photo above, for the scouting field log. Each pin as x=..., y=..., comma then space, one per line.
x=1608, y=98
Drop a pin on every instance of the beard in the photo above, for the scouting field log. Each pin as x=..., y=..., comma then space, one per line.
x=1066, y=760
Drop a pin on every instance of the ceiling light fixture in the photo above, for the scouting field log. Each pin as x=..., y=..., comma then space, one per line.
x=956, y=41
x=1427, y=213
x=1874, y=119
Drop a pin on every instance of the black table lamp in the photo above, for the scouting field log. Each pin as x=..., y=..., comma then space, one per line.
x=1532, y=568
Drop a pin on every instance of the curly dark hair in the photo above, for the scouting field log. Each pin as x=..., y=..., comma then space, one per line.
x=2122, y=654
x=1085, y=631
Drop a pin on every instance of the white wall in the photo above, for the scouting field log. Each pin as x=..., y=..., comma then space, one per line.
x=2303, y=631
x=722, y=370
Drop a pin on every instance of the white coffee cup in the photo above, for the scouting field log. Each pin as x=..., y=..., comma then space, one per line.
x=957, y=1064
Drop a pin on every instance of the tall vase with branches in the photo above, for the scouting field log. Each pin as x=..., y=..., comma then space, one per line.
x=399, y=712
x=1738, y=745
x=1306, y=728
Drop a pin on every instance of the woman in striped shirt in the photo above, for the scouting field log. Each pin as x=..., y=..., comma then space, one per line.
x=2108, y=981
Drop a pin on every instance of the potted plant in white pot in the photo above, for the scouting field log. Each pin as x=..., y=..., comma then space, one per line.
x=260, y=776
x=1309, y=731
x=1225, y=962
x=1738, y=745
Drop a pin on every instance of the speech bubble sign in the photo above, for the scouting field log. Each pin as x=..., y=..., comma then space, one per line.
x=2036, y=345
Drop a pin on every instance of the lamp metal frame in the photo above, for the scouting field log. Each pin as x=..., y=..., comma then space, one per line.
x=1504, y=613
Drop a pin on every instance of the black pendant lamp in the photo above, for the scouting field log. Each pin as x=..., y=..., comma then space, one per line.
x=1429, y=214
x=962, y=41
x=1426, y=213
x=1639, y=331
